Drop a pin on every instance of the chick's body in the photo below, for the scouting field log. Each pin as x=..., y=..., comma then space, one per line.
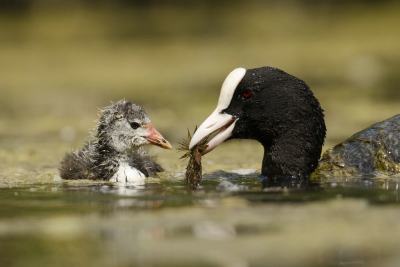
x=116, y=153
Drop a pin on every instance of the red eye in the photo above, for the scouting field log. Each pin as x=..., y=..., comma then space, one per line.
x=247, y=93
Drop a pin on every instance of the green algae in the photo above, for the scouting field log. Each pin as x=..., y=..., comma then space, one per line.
x=384, y=164
x=194, y=172
x=332, y=163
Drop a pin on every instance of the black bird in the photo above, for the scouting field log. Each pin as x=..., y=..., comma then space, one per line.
x=116, y=153
x=274, y=108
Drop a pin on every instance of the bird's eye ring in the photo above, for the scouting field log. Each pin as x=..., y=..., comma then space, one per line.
x=135, y=125
x=247, y=93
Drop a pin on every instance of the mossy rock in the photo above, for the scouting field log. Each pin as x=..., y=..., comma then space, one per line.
x=375, y=151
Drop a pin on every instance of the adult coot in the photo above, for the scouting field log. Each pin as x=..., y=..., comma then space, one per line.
x=274, y=108
x=116, y=153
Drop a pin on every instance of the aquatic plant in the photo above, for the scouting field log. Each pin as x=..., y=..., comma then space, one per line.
x=194, y=169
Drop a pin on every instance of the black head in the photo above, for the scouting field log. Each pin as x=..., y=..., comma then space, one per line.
x=276, y=109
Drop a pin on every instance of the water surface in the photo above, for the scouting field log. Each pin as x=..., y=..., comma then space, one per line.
x=230, y=221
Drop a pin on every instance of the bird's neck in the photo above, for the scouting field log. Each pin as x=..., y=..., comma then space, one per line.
x=111, y=155
x=291, y=156
x=270, y=167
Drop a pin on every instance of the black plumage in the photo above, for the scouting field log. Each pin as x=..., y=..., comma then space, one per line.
x=284, y=116
x=276, y=109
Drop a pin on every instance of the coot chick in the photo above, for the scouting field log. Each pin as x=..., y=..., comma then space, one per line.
x=116, y=153
x=374, y=151
x=276, y=109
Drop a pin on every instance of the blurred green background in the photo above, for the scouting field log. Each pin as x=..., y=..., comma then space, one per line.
x=61, y=60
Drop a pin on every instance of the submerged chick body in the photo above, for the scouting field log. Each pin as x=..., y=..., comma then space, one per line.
x=116, y=152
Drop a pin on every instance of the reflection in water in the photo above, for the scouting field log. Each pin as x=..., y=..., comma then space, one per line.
x=236, y=218
x=347, y=255
x=122, y=189
x=233, y=220
x=213, y=230
x=286, y=182
x=219, y=185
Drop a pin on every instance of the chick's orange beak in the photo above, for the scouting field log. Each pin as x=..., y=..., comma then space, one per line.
x=155, y=138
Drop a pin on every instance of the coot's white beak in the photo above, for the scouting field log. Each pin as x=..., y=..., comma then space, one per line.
x=217, y=121
x=223, y=123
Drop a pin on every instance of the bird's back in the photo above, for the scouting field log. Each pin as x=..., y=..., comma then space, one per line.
x=88, y=163
x=80, y=164
x=374, y=151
